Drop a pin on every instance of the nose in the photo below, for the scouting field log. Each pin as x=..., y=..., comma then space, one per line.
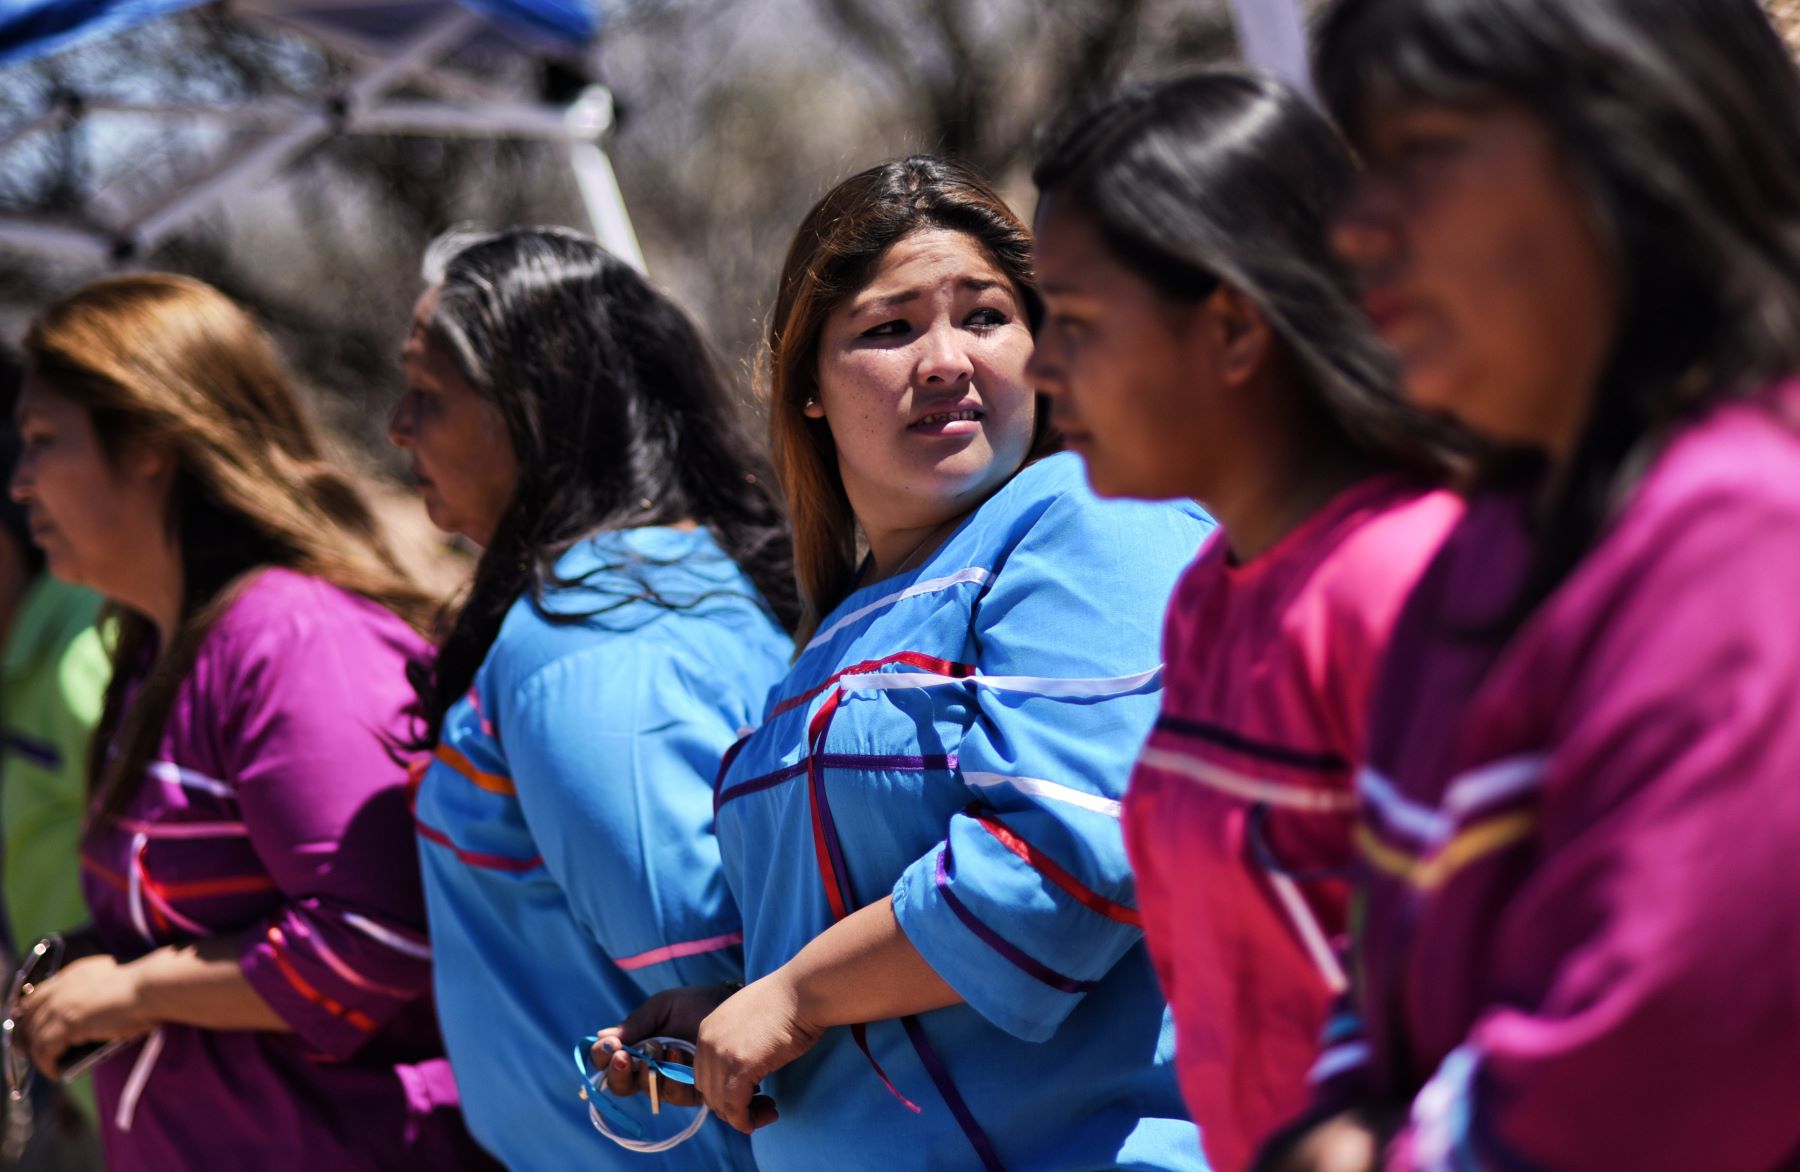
x=945, y=360
x=1365, y=234
x=400, y=423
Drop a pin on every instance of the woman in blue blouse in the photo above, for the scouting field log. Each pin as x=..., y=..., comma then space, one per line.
x=626, y=619
x=923, y=834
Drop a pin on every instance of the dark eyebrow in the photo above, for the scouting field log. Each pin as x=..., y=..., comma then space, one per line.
x=967, y=285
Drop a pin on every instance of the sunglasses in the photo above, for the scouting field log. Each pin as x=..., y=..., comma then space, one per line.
x=624, y=1128
x=43, y=961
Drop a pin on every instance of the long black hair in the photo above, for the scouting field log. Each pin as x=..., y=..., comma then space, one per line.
x=1225, y=176
x=1681, y=119
x=618, y=414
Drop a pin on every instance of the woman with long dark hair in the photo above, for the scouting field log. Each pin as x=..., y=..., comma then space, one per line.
x=1199, y=341
x=626, y=619
x=1580, y=231
x=248, y=857
x=923, y=833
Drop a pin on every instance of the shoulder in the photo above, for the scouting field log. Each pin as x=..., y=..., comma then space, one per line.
x=1377, y=558
x=1725, y=492
x=1049, y=513
x=282, y=614
x=1741, y=455
x=598, y=621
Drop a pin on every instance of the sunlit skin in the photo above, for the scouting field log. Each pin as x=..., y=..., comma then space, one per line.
x=1133, y=377
x=100, y=523
x=1164, y=398
x=922, y=382
x=1481, y=264
x=463, y=462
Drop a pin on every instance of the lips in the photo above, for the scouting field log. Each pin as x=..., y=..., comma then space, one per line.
x=954, y=418
x=940, y=418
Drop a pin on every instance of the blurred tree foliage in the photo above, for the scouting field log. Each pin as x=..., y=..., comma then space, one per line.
x=734, y=116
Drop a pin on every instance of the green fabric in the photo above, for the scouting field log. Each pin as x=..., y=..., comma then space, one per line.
x=52, y=684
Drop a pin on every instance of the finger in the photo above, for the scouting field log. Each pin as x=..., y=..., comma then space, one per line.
x=675, y=1094
x=46, y=1044
x=734, y=1103
x=762, y=1111
x=621, y=1071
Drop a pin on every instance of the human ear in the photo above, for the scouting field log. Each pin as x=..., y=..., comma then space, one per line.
x=150, y=462
x=1242, y=333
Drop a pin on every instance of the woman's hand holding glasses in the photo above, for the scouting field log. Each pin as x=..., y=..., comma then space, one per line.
x=93, y=999
x=739, y=1035
x=673, y=1013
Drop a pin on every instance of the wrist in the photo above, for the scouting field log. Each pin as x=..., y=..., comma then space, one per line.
x=144, y=990
x=802, y=996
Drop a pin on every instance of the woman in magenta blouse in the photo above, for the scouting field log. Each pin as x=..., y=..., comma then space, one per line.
x=249, y=857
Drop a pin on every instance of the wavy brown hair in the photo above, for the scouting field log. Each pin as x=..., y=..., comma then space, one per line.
x=171, y=362
x=832, y=257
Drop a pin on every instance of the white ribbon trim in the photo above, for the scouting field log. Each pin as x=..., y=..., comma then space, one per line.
x=1037, y=787
x=188, y=779
x=139, y=1078
x=387, y=936
x=934, y=586
x=1469, y=793
x=1251, y=789
x=1035, y=685
x=1340, y=1058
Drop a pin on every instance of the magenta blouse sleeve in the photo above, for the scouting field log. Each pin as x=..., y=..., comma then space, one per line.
x=314, y=697
x=1652, y=1018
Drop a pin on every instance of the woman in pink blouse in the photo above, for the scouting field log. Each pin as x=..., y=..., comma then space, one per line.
x=1199, y=341
x=249, y=858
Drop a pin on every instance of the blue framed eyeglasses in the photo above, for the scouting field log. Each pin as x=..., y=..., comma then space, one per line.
x=665, y=1126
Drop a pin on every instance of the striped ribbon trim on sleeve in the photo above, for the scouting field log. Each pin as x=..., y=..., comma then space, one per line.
x=300, y=985
x=1050, y=869
x=829, y=852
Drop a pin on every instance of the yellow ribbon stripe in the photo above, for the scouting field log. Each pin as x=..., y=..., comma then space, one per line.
x=1434, y=870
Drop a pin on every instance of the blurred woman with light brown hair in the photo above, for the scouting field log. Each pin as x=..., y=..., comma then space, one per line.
x=249, y=857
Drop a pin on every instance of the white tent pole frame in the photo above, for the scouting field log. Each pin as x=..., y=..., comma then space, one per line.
x=1273, y=36
x=588, y=120
x=368, y=53
x=262, y=158
x=74, y=243
x=293, y=129
x=505, y=119
x=55, y=116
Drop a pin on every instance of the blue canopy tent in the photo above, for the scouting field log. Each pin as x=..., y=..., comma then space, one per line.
x=389, y=44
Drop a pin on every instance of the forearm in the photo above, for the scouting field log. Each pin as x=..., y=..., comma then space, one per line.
x=201, y=984
x=863, y=968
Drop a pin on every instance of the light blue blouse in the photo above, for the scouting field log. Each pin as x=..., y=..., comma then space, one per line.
x=959, y=737
x=566, y=832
